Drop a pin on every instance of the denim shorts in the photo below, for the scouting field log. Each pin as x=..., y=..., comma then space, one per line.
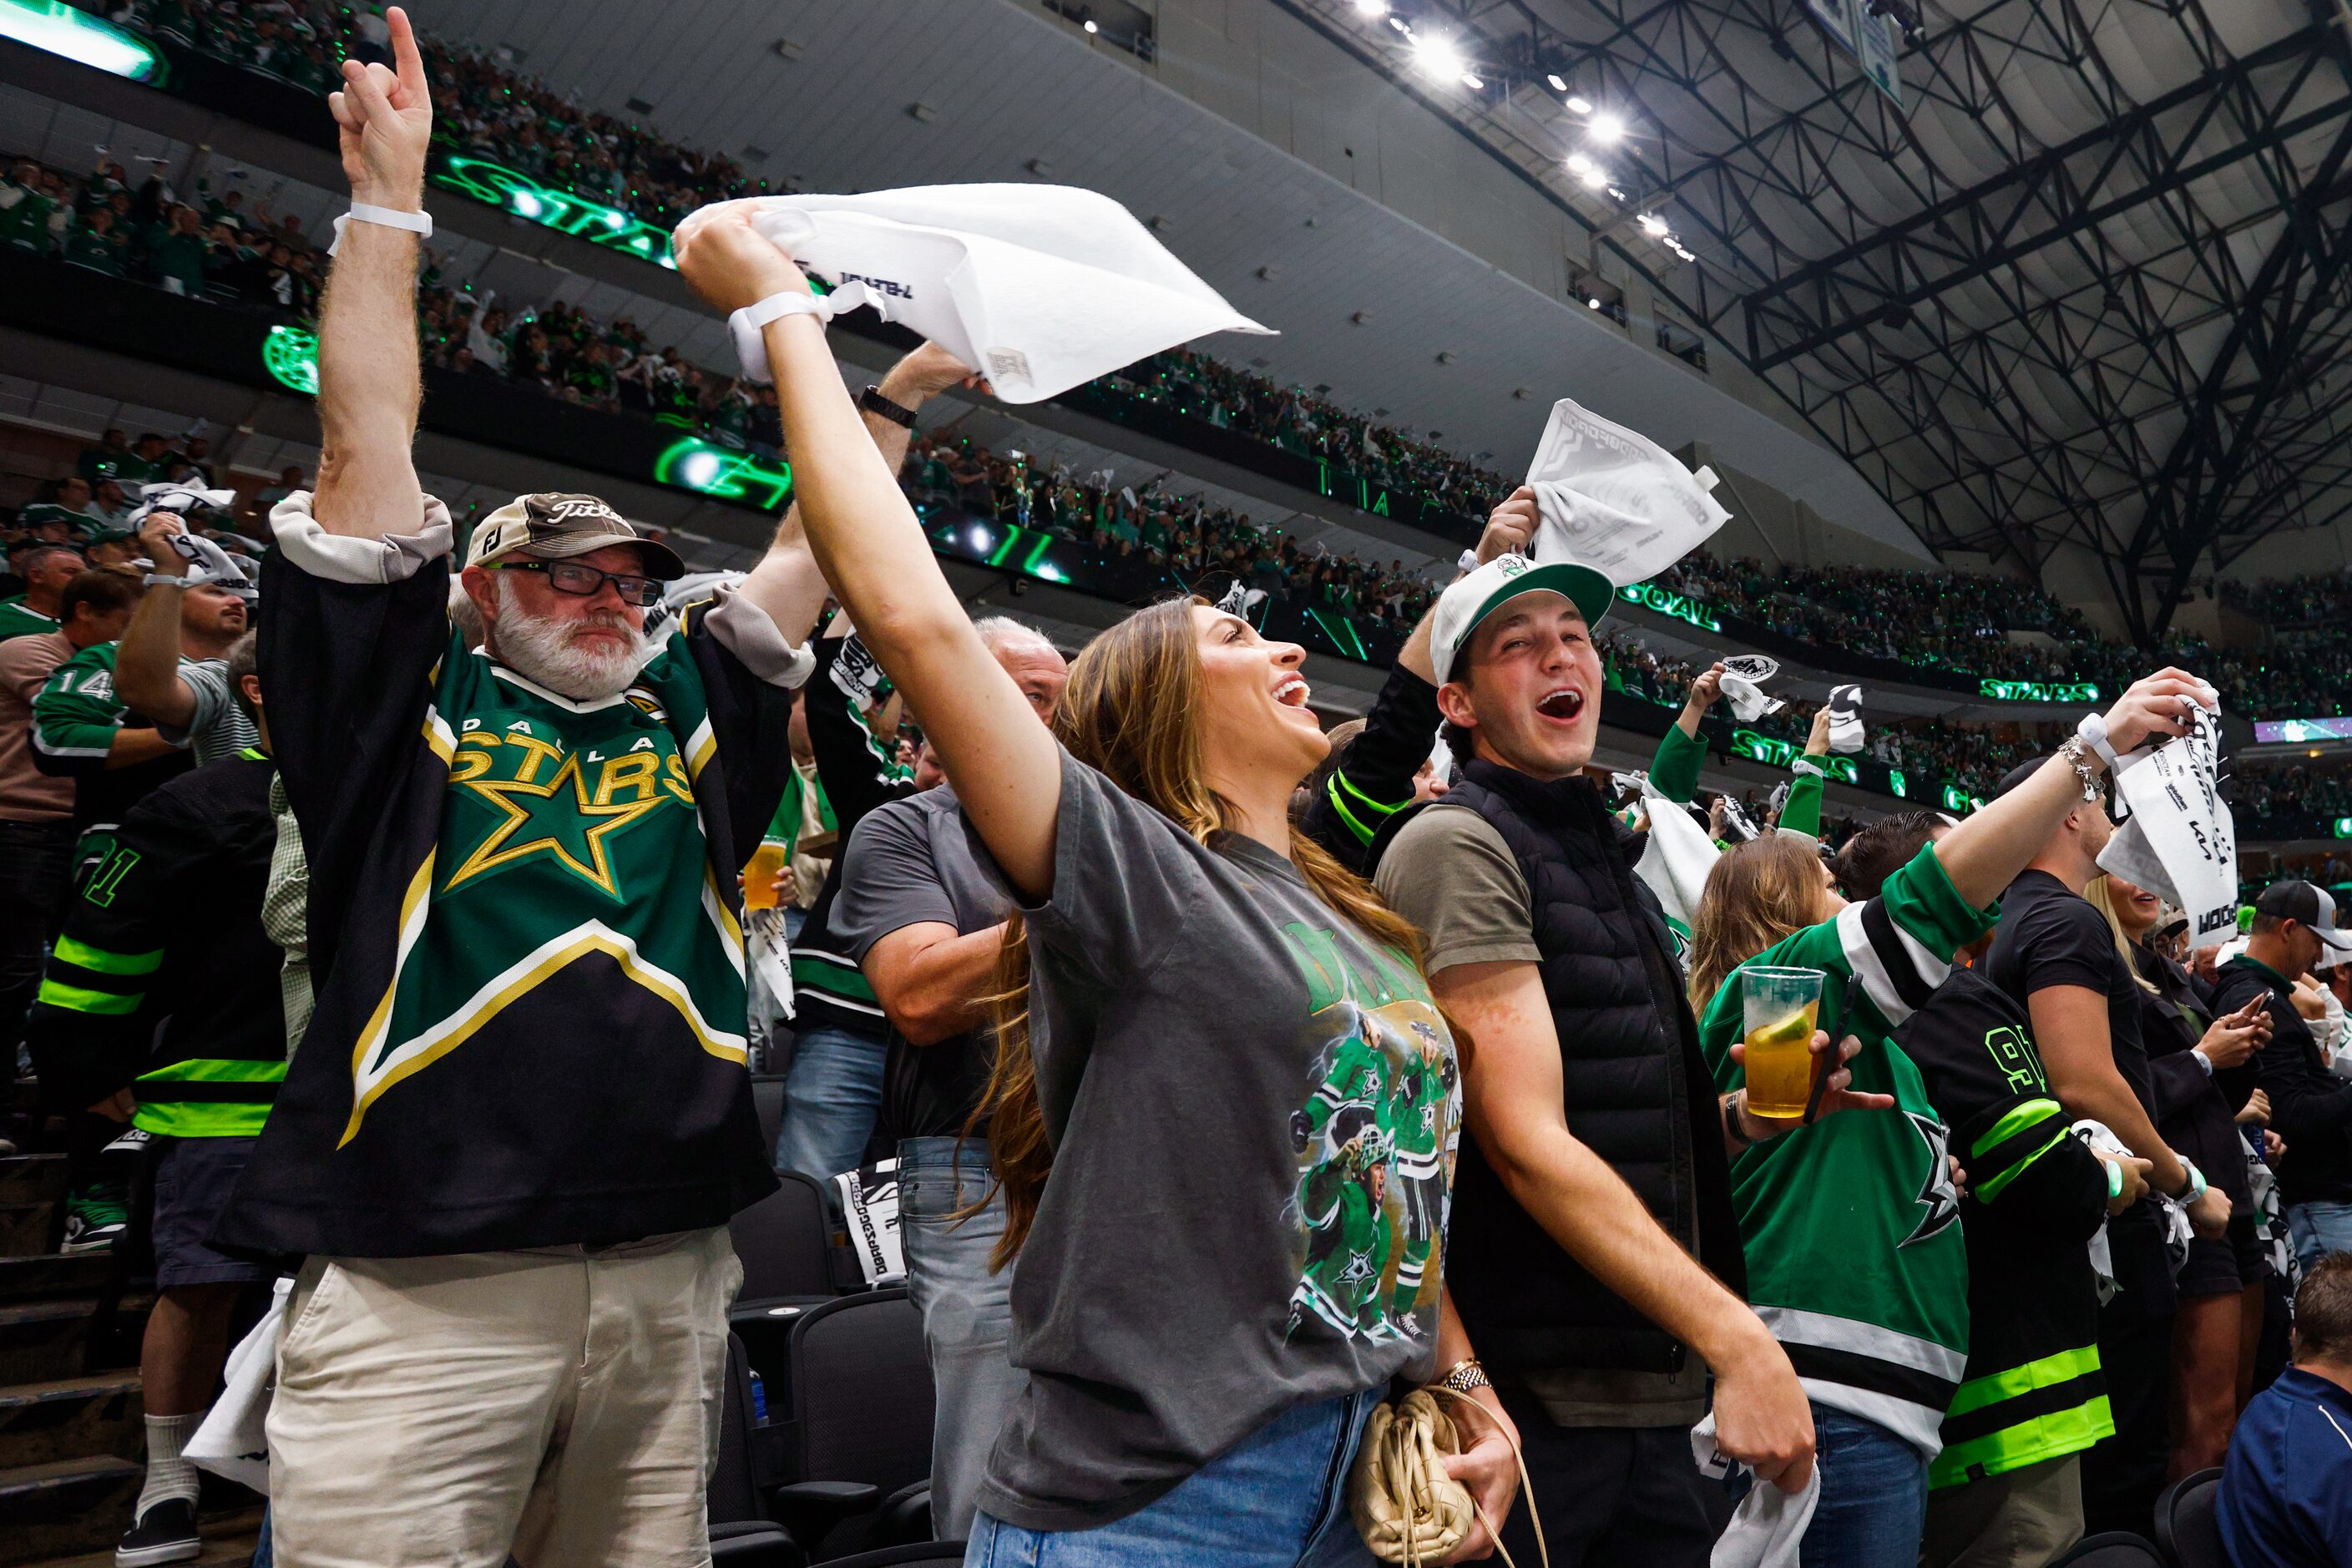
x=194, y=1178
x=1278, y=1498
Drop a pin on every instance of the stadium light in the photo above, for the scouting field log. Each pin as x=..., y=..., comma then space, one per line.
x=1652, y=224
x=1090, y=25
x=1593, y=176
x=1401, y=26
x=1473, y=81
x=1580, y=105
x=1607, y=129
x=1578, y=163
x=59, y=29
x=1439, y=54
x=1375, y=9
x=1594, y=301
x=1557, y=85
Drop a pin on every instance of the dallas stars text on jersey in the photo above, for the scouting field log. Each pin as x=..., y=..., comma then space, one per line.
x=567, y=828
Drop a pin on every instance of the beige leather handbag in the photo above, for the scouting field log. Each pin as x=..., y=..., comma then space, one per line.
x=1408, y=1510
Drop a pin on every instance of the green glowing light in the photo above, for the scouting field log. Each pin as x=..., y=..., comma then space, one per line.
x=290, y=354
x=1895, y=782
x=2038, y=692
x=2343, y=827
x=694, y=464
x=57, y=28
x=1958, y=802
x=563, y=211
x=1681, y=606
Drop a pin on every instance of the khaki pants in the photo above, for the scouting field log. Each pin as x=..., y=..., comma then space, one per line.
x=559, y=1404
x=2019, y=1519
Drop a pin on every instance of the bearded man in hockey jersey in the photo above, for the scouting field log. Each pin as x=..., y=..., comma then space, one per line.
x=522, y=1118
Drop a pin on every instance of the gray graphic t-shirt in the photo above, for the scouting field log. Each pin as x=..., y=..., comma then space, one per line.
x=1255, y=1109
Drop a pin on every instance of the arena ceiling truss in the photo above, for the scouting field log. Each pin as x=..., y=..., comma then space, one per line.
x=2086, y=283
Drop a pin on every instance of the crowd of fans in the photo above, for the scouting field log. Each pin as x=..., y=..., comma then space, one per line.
x=1156, y=994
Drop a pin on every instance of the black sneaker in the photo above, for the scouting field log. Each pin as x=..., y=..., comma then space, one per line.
x=96, y=1219
x=164, y=1533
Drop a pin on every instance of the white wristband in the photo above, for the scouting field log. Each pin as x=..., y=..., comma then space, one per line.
x=2093, y=732
x=744, y=325
x=417, y=223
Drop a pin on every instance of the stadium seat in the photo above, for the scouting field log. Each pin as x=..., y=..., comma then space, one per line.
x=2111, y=1549
x=741, y=1534
x=768, y=1100
x=854, y=1428
x=785, y=1241
x=930, y=1554
x=2187, y=1530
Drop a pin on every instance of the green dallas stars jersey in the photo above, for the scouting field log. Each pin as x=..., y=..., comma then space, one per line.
x=524, y=915
x=18, y=619
x=75, y=717
x=1851, y=1225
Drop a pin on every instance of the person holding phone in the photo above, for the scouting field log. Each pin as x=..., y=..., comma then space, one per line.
x=2201, y=1070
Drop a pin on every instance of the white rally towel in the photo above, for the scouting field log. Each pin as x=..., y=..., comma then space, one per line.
x=1845, y=717
x=179, y=498
x=2177, y=1231
x=1769, y=1523
x=2180, y=840
x=1676, y=861
x=1039, y=288
x=869, y=1202
x=231, y=1440
x=770, y=951
x=1744, y=675
x=1615, y=500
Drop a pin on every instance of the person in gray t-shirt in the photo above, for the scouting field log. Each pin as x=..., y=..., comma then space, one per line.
x=172, y=665
x=1226, y=1106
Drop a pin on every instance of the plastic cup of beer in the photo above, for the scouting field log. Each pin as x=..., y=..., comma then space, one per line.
x=759, y=876
x=1781, y=1007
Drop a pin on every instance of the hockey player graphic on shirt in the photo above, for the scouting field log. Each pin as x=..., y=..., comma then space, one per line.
x=1375, y=1139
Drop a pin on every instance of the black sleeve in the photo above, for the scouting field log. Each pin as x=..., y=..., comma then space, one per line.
x=2178, y=1083
x=1376, y=780
x=2065, y=1191
x=346, y=669
x=100, y=993
x=855, y=766
x=751, y=720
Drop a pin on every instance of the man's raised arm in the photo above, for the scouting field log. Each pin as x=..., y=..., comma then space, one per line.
x=368, y=378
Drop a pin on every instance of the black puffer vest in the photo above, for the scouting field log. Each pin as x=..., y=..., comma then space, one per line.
x=1635, y=1090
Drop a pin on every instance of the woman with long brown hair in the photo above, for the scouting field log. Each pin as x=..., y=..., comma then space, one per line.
x=1219, y=1043
x=2202, y=1072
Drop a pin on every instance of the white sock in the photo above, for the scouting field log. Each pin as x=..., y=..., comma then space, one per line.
x=169, y=1473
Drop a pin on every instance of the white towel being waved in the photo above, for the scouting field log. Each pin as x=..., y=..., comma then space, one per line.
x=2177, y=1231
x=1769, y=1524
x=1615, y=500
x=1677, y=857
x=2179, y=840
x=1039, y=288
x=1743, y=677
x=179, y=498
x=1845, y=717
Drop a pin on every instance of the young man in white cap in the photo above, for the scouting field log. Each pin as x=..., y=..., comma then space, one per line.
x=2295, y=932
x=1597, y=1166
x=520, y=1118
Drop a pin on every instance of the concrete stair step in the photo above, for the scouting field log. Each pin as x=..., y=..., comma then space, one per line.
x=27, y=1230
x=42, y=1340
x=65, y=1506
x=72, y=1418
x=231, y=1548
x=52, y=1276
x=32, y=1178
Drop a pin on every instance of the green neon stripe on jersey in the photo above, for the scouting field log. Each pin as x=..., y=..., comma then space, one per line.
x=2027, y=1442
x=1990, y=1190
x=81, y=999
x=2047, y=1372
x=81, y=955
x=2021, y=1116
x=181, y=1120
x=217, y=1070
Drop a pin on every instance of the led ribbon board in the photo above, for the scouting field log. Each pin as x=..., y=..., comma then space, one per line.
x=694, y=464
x=1781, y=753
x=57, y=28
x=1681, y=606
x=290, y=355
x=2269, y=731
x=563, y=211
x=2038, y=692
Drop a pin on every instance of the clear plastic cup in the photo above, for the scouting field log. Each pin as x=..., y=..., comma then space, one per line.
x=1781, y=1007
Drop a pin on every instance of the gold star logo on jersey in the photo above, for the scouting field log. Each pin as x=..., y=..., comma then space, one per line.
x=564, y=820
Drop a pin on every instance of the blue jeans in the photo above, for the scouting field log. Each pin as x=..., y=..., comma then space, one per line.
x=967, y=1314
x=1874, y=1505
x=2317, y=1229
x=1278, y=1498
x=833, y=1091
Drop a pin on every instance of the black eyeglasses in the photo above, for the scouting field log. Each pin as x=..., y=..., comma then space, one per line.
x=572, y=577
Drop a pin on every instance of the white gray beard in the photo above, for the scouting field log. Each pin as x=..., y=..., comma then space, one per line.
x=540, y=649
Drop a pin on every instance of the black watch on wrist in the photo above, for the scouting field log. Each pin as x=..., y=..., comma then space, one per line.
x=873, y=401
